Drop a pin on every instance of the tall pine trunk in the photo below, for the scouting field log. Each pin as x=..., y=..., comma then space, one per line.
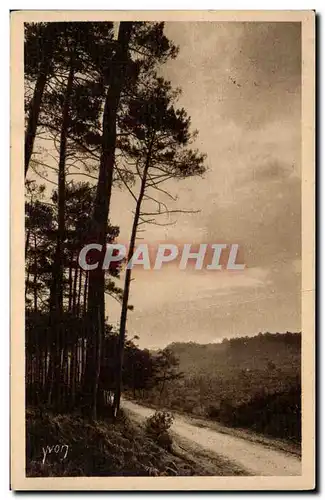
x=35, y=104
x=78, y=299
x=85, y=294
x=70, y=298
x=35, y=276
x=56, y=299
x=126, y=291
x=75, y=283
x=96, y=285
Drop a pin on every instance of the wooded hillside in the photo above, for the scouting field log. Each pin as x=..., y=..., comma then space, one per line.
x=249, y=382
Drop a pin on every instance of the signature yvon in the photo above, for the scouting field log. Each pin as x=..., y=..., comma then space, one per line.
x=60, y=450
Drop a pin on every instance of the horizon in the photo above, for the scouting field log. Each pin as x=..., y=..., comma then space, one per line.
x=220, y=341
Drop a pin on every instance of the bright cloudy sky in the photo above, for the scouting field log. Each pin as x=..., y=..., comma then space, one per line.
x=241, y=86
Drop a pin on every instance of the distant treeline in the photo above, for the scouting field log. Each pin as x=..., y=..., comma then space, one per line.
x=249, y=382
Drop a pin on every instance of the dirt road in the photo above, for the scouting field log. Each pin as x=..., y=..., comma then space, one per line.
x=254, y=458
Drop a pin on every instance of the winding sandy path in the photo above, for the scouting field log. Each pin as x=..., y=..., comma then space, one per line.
x=255, y=458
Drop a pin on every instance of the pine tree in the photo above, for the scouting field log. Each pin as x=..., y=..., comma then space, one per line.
x=158, y=140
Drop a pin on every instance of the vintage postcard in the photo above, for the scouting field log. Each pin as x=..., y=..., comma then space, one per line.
x=162, y=250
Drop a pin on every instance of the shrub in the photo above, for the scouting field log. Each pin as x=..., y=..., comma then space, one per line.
x=157, y=427
x=212, y=411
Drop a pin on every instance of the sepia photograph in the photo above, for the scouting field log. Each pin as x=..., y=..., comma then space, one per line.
x=162, y=250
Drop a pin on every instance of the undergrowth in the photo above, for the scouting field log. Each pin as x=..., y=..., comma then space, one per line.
x=67, y=445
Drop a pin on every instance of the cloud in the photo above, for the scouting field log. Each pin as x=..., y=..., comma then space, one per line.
x=272, y=170
x=249, y=73
x=214, y=312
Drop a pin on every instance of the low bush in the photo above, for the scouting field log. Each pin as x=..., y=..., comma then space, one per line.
x=277, y=415
x=157, y=427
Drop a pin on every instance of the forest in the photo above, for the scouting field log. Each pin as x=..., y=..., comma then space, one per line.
x=98, y=115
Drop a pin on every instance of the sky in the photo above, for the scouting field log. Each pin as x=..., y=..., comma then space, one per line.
x=241, y=85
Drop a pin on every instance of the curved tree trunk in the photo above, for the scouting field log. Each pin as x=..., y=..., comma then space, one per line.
x=126, y=291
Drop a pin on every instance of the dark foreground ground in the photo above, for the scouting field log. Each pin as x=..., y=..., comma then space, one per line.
x=67, y=445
